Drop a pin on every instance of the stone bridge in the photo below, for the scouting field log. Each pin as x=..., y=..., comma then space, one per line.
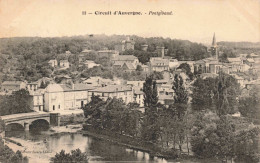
x=26, y=119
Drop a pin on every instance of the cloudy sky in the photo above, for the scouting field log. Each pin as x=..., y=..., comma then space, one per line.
x=195, y=20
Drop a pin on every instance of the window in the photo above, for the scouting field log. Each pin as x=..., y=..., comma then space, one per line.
x=53, y=107
x=59, y=107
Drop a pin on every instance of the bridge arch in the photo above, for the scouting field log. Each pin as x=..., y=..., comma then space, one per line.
x=16, y=126
x=39, y=124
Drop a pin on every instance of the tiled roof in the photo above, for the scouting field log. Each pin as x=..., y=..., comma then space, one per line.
x=130, y=66
x=250, y=60
x=138, y=92
x=125, y=58
x=118, y=63
x=234, y=59
x=208, y=75
x=64, y=61
x=161, y=81
x=165, y=97
x=86, y=51
x=12, y=82
x=77, y=87
x=107, y=51
x=159, y=62
x=112, y=88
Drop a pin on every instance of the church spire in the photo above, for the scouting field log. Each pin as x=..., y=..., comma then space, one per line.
x=214, y=44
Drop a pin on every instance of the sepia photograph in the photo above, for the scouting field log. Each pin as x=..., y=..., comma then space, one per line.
x=133, y=81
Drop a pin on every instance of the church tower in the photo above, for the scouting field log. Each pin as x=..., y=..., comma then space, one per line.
x=213, y=49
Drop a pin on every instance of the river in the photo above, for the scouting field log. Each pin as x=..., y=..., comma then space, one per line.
x=40, y=146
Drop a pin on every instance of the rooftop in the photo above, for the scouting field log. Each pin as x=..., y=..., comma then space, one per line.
x=77, y=87
x=125, y=58
x=234, y=59
x=12, y=82
x=130, y=66
x=112, y=88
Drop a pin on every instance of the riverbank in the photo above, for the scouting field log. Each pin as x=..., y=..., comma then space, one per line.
x=136, y=144
x=36, y=150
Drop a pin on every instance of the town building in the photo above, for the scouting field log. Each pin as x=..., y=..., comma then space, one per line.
x=138, y=97
x=10, y=86
x=53, y=98
x=118, y=91
x=160, y=51
x=144, y=47
x=120, y=60
x=207, y=65
x=145, y=68
x=214, y=48
x=90, y=64
x=53, y=63
x=97, y=81
x=128, y=67
x=125, y=45
x=64, y=64
x=166, y=100
x=158, y=64
x=108, y=53
x=38, y=100
x=32, y=86
x=135, y=83
x=63, y=79
x=75, y=95
x=82, y=56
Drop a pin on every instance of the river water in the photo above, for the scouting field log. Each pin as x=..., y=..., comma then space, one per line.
x=40, y=146
x=37, y=144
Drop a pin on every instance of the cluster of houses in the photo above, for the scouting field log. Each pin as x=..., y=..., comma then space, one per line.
x=67, y=95
x=73, y=96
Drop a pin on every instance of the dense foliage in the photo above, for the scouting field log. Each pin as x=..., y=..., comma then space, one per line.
x=224, y=137
x=27, y=58
x=218, y=94
x=112, y=115
x=187, y=70
x=72, y=157
x=249, y=105
x=9, y=156
x=18, y=102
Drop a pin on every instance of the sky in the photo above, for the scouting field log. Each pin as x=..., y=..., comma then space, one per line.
x=194, y=20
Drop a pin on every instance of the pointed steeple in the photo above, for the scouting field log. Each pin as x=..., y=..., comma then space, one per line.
x=214, y=44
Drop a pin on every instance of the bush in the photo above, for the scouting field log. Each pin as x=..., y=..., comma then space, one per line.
x=72, y=157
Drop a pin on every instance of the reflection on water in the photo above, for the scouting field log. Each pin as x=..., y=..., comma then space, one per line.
x=98, y=150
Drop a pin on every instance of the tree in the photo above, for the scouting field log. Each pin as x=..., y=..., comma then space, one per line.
x=73, y=156
x=226, y=94
x=217, y=94
x=150, y=127
x=202, y=94
x=9, y=156
x=180, y=104
x=150, y=92
x=222, y=137
x=187, y=69
x=249, y=106
x=19, y=102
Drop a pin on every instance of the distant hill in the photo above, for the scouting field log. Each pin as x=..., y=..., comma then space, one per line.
x=240, y=45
